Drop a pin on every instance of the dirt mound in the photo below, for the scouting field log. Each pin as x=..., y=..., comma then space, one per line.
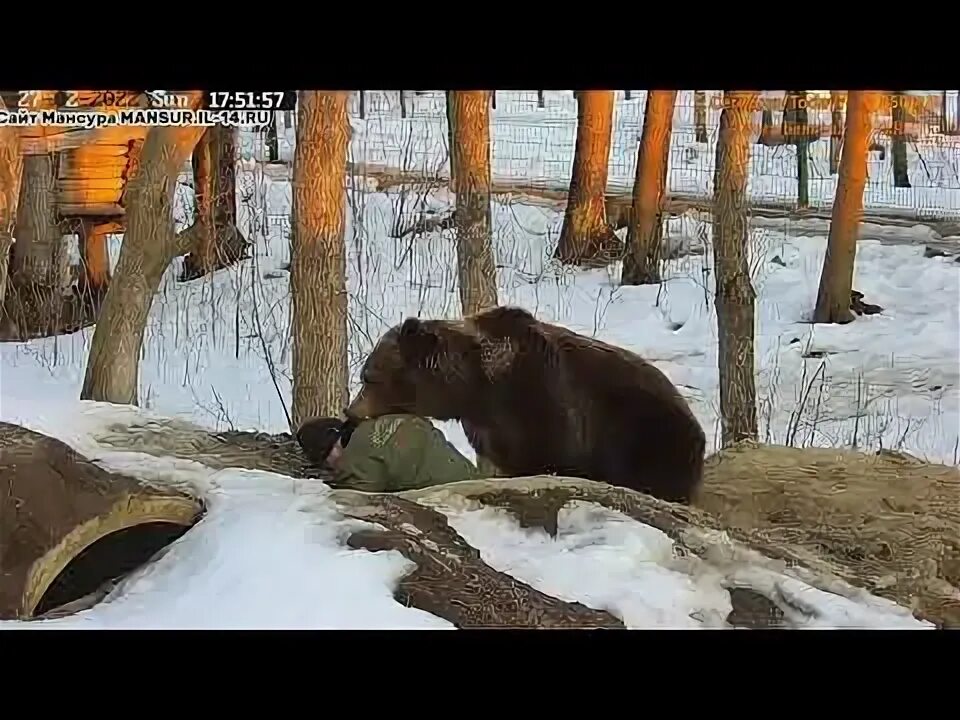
x=890, y=523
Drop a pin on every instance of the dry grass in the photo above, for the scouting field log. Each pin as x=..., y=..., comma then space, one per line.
x=889, y=522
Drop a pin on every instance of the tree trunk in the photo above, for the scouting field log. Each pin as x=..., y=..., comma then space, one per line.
x=149, y=245
x=11, y=173
x=94, y=258
x=39, y=255
x=477, y=273
x=272, y=140
x=66, y=525
x=586, y=238
x=836, y=277
x=700, y=115
x=540, y=102
x=836, y=128
x=641, y=265
x=318, y=265
x=898, y=139
x=217, y=242
x=795, y=131
x=734, y=291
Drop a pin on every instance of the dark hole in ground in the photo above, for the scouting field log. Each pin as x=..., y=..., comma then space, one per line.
x=110, y=558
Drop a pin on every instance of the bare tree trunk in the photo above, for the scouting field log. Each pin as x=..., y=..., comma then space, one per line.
x=318, y=266
x=272, y=141
x=700, y=115
x=836, y=278
x=540, y=102
x=898, y=139
x=11, y=172
x=641, y=264
x=94, y=258
x=734, y=292
x=796, y=132
x=363, y=104
x=586, y=238
x=39, y=255
x=836, y=129
x=149, y=245
x=216, y=240
x=471, y=147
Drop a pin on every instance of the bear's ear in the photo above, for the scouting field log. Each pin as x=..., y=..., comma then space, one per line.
x=417, y=343
x=411, y=326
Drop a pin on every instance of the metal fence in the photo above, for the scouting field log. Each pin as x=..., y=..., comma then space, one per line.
x=534, y=133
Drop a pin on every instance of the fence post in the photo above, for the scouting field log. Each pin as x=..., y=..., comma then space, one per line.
x=700, y=115
x=450, y=124
x=272, y=140
x=898, y=139
x=796, y=132
x=836, y=129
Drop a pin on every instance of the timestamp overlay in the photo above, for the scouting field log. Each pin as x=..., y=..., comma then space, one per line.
x=135, y=117
x=269, y=100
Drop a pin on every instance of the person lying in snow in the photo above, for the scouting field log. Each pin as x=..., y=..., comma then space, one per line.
x=386, y=454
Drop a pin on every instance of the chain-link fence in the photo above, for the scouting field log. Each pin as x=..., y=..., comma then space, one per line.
x=534, y=133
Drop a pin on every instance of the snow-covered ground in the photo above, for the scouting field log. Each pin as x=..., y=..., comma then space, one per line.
x=270, y=554
x=887, y=380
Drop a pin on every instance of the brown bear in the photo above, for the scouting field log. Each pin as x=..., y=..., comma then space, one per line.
x=536, y=398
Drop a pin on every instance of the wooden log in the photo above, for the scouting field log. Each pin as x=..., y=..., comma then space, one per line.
x=60, y=514
x=450, y=579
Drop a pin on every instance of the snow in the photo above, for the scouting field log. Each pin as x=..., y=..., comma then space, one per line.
x=270, y=552
x=606, y=560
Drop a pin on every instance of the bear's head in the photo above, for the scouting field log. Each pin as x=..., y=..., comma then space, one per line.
x=431, y=368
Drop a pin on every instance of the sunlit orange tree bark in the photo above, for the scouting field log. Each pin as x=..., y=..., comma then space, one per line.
x=586, y=238
x=149, y=245
x=216, y=241
x=318, y=264
x=735, y=295
x=470, y=151
x=836, y=278
x=38, y=266
x=641, y=265
x=11, y=172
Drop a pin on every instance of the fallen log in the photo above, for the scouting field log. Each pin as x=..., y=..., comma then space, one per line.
x=887, y=522
x=450, y=580
x=67, y=526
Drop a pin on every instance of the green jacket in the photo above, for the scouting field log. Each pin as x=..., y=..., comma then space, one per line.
x=399, y=452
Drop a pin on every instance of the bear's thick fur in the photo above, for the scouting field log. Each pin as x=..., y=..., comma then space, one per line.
x=536, y=398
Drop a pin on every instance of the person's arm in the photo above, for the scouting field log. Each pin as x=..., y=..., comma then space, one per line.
x=361, y=466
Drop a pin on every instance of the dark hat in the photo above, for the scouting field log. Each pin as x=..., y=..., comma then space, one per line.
x=317, y=436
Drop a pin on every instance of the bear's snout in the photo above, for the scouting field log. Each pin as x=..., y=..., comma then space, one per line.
x=360, y=409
